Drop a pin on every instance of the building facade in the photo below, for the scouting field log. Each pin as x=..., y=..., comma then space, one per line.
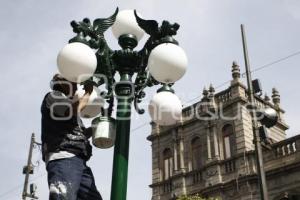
x=211, y=151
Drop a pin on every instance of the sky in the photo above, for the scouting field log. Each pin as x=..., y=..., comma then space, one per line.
x=32, y=33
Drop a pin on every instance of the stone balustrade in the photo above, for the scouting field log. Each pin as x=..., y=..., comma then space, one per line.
x=223, y=96
x=229, y=166
x=188, y=113
x=286, y=148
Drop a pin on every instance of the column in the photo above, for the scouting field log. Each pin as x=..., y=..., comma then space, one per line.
x=216, y=143
x=182, y=165
x=175, y=150
x=181, y=152
x=208, y=143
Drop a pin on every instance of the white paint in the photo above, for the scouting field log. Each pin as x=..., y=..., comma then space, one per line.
x=58, y=188
x=53, y=189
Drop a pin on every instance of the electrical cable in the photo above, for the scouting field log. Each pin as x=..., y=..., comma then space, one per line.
x=254, y=70
x=275, y=62
x=11, y=190
x=36, y=165
x=5, y=194
x=224, y=83
x=142, y=125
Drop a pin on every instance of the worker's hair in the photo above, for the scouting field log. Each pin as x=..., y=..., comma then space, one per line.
x=56, y=81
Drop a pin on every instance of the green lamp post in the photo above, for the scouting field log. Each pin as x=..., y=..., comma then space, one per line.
x=125, y=73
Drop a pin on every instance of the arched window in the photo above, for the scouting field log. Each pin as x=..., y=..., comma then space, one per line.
x=228, y=141
x=168, y=163
x=196, y=153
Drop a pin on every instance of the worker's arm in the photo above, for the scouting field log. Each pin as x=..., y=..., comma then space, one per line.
x=84, y=100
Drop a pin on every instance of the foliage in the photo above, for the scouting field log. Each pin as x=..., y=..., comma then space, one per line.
x=196, y=197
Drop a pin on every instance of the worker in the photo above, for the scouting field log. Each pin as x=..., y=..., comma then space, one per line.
x=65, y=144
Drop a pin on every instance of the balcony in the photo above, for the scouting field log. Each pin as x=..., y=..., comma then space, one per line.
x=283, y=154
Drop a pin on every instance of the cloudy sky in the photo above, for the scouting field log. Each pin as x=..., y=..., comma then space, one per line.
x=32, y=32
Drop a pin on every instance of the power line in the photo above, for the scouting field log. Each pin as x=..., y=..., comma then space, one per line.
x=226, y=82
x=218, y=86
x=28, y=168
x=19, y=186
x=276, y=61
x=140, y=126
x=11, y=190
x=254, y=70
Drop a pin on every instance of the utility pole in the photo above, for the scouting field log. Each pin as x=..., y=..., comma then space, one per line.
x=257, y=142
x=27, y=170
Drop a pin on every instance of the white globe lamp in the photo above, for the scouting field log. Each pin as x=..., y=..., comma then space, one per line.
x=167, y=63
x=268, y=117
x=165, y=108
x=76, y=62
x=126, y=24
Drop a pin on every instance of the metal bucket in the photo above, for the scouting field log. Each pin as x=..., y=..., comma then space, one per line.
x=104, y=132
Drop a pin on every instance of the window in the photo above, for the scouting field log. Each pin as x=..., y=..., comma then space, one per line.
x=196, y=153
x=168, y=163
x=228, y=141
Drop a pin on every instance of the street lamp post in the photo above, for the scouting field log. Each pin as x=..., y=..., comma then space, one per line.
x=160, y=61
x=257, y=140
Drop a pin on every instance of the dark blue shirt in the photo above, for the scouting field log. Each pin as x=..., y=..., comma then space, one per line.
x=62, y=130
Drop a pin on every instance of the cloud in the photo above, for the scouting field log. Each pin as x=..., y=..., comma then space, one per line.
x=33, y=32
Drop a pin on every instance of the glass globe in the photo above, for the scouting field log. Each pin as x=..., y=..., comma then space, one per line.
x=165, y=108
x=126, y=24
x=76, y=62
x=167, y=63
x=268, y=117
x=94, y=105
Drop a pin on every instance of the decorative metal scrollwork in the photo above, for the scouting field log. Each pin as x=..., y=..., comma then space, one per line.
x=110, y=62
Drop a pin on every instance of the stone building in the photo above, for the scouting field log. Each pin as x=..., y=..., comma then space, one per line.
x=211, y=151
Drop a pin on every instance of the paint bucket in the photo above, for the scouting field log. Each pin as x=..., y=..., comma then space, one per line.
x=104, y=132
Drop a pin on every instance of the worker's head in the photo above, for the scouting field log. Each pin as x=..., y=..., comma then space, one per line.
x=61, y=84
